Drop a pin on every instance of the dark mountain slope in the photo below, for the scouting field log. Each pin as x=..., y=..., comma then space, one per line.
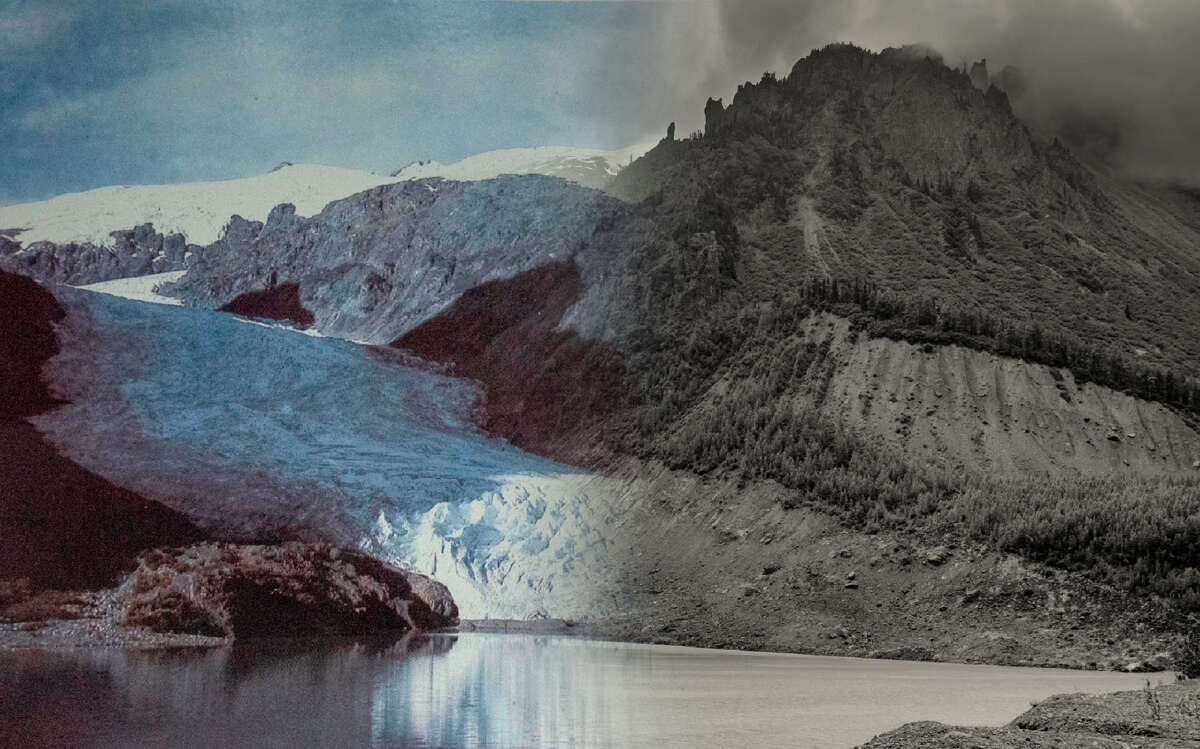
x=892, y=167
x=547, y=390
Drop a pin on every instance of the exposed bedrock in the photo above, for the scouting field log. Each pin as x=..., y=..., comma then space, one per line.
x=138, y=251
x=373, y=265
x=230, y=590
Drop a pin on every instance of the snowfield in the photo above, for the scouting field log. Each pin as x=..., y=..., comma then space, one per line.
x=587, y=166
x=201, y=210
x=198, y=210
x=253, y=428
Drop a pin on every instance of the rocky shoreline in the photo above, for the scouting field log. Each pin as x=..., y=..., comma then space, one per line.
x=213, y=593
x=1163, y=717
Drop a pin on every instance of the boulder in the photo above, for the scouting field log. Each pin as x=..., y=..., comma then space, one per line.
x=937, y=555
x=292, y=589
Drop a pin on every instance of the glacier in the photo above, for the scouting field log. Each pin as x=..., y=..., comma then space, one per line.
x=255, y=428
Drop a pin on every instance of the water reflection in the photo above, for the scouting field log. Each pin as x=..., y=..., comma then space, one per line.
x=495, y=690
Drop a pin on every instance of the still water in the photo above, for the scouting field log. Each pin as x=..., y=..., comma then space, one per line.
x=496, y=690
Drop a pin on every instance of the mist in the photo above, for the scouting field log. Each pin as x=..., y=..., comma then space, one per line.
x=1116, y=78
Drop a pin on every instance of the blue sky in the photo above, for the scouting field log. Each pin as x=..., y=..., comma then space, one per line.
x=98, y=92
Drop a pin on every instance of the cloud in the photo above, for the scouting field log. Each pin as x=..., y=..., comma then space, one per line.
x=180, y=94
x=1112, y=74
x=25, y=25
x=188, y=91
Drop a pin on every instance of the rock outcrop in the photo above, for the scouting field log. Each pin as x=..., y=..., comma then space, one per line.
x=1167, y=717
x=230, y=590
x=714, y=117
x=374, y=265
x=134, y=252
x=544, y=385
x=979, y=75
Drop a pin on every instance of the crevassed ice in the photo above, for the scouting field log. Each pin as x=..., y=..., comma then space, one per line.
x=251, y=424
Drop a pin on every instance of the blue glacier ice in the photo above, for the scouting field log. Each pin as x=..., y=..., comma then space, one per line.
x=250, y=426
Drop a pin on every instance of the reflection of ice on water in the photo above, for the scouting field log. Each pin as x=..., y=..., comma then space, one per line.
x=512, y=691
x=289, y=430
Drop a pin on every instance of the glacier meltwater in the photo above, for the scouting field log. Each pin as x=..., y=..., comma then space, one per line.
x=258, y=429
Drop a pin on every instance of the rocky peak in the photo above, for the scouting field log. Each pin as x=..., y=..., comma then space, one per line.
x=714, y=116
x=902, y=107
x=979, y=75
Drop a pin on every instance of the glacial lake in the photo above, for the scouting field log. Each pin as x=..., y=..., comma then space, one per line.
x=497, y=690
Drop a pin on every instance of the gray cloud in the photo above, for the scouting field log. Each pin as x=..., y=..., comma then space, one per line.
x=1119, y=76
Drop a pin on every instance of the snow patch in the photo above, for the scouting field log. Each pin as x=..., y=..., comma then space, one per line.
x=140, y=288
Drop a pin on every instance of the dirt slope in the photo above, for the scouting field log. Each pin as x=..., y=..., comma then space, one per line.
x=964, y=408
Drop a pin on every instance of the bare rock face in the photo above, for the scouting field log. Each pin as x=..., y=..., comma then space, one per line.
x=714, y=116
x=979, y=75
x=134, y=252
x=374, y=265
x=233, y=590
x=45, y=497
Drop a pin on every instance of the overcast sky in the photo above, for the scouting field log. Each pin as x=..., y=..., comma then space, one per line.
x=98, y=92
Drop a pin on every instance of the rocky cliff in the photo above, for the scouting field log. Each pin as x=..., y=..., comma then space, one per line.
x=374, y=265
x=135, y=252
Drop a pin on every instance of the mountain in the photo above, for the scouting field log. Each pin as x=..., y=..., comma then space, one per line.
x=895, y=169
x=893, y=373
x=587, y=166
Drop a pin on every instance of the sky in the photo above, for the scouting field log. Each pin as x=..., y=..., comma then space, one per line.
x=100, y=92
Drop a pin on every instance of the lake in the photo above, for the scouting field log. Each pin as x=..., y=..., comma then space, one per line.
x=498, y=690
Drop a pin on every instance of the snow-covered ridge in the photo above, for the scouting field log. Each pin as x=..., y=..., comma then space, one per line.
x=201, y=210
x=198, y=210
x=589, y=167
